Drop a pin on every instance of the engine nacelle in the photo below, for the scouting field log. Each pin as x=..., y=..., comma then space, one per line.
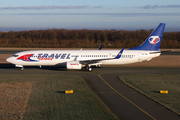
x=74, y=65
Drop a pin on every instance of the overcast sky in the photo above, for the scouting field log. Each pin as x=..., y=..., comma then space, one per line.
x=89, y=14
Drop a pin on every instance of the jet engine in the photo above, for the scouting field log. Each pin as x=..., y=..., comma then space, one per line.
x=74, y=65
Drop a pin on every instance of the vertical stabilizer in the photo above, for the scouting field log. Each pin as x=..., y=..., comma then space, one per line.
x=153, y=42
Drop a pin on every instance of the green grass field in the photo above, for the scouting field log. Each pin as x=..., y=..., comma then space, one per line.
x=151, y=84
x=47, y=100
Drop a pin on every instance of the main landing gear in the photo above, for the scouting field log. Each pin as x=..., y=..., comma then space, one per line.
x=90, y=69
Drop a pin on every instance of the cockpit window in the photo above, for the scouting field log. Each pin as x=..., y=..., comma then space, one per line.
x=15, y=55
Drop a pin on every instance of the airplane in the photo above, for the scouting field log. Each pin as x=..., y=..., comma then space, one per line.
x=79, y=59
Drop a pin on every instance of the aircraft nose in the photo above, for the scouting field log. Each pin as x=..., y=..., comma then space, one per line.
x=9, y=60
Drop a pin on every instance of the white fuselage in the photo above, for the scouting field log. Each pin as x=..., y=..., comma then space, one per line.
x=54, y=57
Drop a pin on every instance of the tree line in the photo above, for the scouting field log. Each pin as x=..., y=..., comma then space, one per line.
x=62, y=38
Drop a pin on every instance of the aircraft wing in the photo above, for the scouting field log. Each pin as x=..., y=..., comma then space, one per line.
x=98, y=60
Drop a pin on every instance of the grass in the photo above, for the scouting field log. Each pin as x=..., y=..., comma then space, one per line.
x=14, y=97
x=48, y=100
x=151, y=84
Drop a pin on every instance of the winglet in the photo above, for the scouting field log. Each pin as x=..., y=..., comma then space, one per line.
x=119, y=54
x=100, y=47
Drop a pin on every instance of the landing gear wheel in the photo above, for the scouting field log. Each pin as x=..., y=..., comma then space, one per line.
x=89, y=69
x=22, y=68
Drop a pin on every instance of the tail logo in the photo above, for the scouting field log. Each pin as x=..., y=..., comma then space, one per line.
x=154, y=39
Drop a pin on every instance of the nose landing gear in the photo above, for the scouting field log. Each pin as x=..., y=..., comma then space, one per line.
x=22, y=68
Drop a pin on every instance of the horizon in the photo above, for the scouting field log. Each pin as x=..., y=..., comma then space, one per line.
x=125, y=29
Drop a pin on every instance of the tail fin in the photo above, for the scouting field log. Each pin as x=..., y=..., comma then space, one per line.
x=153, y=42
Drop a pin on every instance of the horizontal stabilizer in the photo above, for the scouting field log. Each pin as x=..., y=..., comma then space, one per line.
x=160, y=52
